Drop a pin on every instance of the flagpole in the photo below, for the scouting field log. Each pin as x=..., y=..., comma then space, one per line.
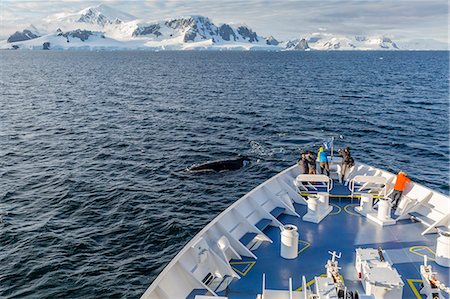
x=332, y=147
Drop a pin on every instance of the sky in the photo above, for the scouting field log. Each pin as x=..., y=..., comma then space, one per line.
x=398, y=19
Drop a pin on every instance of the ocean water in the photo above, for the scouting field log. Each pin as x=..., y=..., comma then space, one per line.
x=94, y=196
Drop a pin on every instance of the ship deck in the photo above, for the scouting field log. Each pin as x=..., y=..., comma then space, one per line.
x=343, y=230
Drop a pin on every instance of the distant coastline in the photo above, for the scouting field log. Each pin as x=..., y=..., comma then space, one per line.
x=102, y=27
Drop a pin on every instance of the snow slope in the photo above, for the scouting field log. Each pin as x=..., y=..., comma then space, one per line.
x=105, y=28
x=326, y=41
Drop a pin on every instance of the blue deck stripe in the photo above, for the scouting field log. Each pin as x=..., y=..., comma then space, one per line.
x=247, y=238
x=263, y=224
x=277, y=212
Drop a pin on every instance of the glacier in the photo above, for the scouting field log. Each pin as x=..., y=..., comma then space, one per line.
x=105, y=28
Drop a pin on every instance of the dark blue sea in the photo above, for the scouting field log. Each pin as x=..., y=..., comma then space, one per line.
x=94, y=196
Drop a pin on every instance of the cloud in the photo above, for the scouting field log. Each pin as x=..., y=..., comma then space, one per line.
x=283, y=19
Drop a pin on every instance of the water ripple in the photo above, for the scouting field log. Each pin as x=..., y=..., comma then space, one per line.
x=94, y=199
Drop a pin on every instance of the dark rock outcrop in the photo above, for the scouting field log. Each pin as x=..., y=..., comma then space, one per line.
x=226, y=32
x=388, y=41
x=247, y=34
x=46, y=46
x=19, y=36
x=92, y=16
x=335, y=46
x=189, y=36
x=83, y=35
x=146, y=30
x=271, y=41
x=180, y=23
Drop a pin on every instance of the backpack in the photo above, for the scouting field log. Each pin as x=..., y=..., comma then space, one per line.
x=351, y=162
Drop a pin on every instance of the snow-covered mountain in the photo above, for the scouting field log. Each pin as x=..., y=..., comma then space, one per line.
x=103, y=27
x=297, y=44
x=101, y=15
x=326, y=41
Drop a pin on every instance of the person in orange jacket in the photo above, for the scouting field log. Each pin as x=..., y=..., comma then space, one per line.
x=399, y=186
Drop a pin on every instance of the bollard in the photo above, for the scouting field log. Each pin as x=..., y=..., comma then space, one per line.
x=366, y=203
x=289, y=241
x=384, y=210
x=323, y=199
x=313, y=202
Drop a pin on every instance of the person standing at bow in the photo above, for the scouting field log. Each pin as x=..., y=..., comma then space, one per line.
x=347, y=161
x=323, y=161
x=303, y=164
x=311, y=162
x=399, y=187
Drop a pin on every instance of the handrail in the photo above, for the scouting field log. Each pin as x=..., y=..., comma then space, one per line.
x=368, y=180
x=314, y=178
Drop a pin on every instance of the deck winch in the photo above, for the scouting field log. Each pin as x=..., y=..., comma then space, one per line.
x=334, y=278
x=432, y=287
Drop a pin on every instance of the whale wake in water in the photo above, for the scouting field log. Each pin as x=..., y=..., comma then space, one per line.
x=220, y=165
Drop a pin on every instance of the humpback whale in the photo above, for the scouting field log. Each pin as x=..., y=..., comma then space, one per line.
x=221, y=165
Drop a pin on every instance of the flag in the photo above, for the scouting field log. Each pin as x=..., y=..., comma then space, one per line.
x=329, y=144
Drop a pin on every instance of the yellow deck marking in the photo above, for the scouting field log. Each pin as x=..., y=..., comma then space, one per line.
x=338, y=211
x=309, y=283
x=312, y=281
x=305, y=246
x=246, y=269
x=414, y=248
x=351, y=212
x=413, y=287
x=341, y=196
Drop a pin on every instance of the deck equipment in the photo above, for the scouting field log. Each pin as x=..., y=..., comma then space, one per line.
x=238, y=254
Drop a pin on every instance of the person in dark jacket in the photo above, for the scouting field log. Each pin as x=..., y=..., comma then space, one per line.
x=303, y=164
x=347, y=161
x=311, y=162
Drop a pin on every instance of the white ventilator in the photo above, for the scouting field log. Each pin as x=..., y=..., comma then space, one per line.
x=384, y=210
x=443, y=249
x=289, y=242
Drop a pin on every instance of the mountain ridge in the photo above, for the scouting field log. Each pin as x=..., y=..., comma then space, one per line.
x=102, y=27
